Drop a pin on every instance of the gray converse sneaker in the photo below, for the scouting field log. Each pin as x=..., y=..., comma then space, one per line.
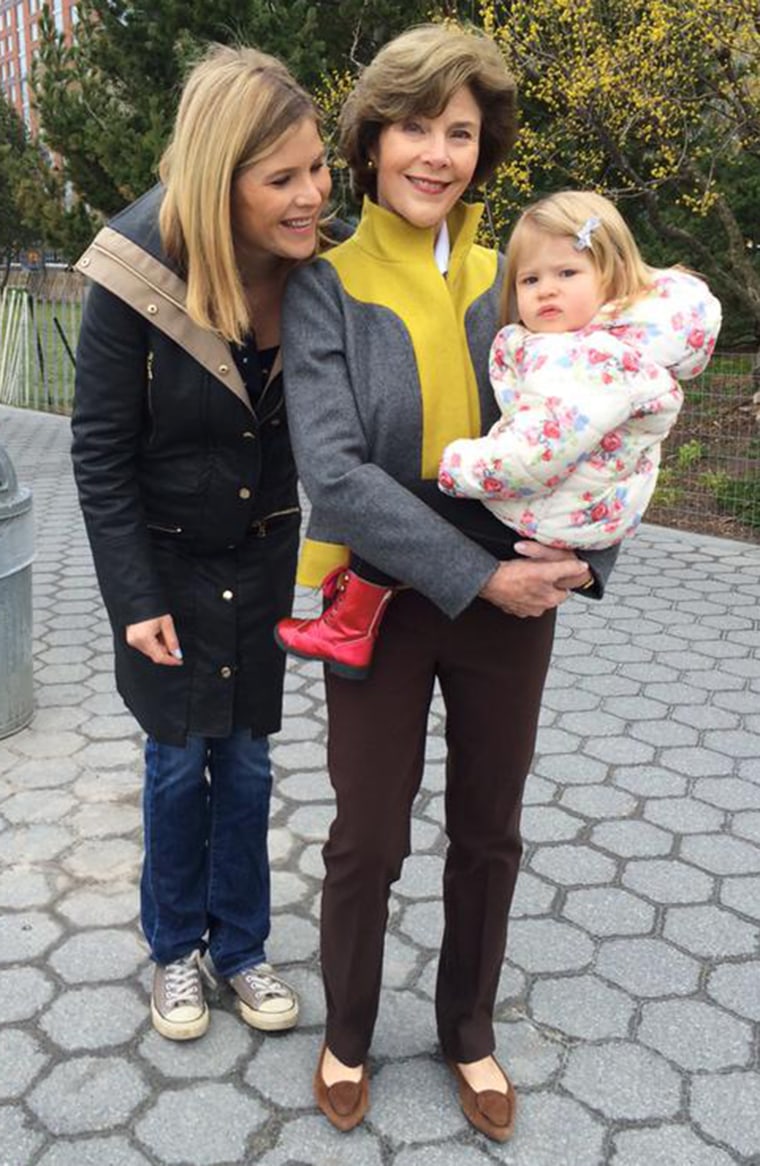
x=264, y=1000
x=177, y=1007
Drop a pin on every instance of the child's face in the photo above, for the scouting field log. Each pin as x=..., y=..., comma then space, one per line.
x=558, y=288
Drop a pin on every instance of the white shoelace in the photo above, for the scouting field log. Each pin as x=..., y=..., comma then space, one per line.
x=182, y=981
x=265, y=985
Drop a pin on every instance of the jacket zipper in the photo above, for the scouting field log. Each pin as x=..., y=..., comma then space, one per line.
x=259, y=527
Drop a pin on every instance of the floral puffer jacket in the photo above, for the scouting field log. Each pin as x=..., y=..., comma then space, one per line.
x=573, y=460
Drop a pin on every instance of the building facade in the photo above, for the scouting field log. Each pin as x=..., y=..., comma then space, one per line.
x=19, y=39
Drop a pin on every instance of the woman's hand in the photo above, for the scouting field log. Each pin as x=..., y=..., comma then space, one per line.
x=156, y=639
x=539, y=553
x=530, y=588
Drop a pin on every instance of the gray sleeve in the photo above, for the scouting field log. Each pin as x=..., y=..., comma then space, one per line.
x=359, y=503
x=600, y=563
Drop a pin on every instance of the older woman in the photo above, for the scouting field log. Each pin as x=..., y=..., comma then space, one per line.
x=188, y=487
x=386, y=341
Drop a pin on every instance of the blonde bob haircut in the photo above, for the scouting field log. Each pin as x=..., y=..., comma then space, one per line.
x=417, y=74
x=624, y=275
x=236, y=105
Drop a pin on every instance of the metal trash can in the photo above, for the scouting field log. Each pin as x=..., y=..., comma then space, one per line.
x=16, y=554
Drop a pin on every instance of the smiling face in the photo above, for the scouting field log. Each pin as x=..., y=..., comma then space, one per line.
x=558, y=289
x=425, y=164
x=277, y=201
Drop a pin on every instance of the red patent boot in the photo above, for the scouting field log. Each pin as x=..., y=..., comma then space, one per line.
x=344, y=635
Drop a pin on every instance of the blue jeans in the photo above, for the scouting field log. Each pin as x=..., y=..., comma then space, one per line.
x=206, y=867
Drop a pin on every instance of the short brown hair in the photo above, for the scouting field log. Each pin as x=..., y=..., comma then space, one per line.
x=417, y=74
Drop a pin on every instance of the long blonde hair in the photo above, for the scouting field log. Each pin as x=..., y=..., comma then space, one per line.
x=623, y=274
x=418, y=73
x=236, y=104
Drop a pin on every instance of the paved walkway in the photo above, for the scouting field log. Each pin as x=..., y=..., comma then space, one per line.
x=630, y=1004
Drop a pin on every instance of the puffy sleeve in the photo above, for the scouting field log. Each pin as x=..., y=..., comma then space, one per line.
x=676, y=325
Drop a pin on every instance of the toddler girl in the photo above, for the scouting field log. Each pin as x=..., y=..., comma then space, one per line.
x=586, y=386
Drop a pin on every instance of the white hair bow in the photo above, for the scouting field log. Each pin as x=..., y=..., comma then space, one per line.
x=583, y=236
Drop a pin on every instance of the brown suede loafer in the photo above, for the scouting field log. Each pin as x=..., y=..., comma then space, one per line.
x=491, y=1112
x=346, y=1102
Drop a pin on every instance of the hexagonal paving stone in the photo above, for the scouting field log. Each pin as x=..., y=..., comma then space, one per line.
x=23, y=992
x=26, y=934
x=292, y=939
x=582, y=1006
x=105, y=954
x=696, y=1036
x=622, y=749
x=93, y=1018
x=421, y=877
x=21, y=1062
x=105, y=819
x=737, y=987
x=647, y=967
x=696, y=762
x=747, y=825
x=727, y=1107
x=317, y=1138
x=21, y=887
x=40, y=843
x=93, y=1152
x=530, y=1056
x=532, y=896
x=624, y=1082
x=431, y=1155
x=684, y=815
x=106, y=906
x=200, y=1125
x=573, y=865
x=608, y=911
x=543, y=945
x=30, y=807
x=226, y=1042
x=423, y=923
x=538, y=791
x=18, y=1140
x=88, y=1093
x=549, y=824
x=667, y=880
x=729, y=793
x=649, y=781
x=708, y=931
x=599, y=801
x=435, y=1114
x=570, y=769
x=551, y=1130
x=282, y=1071
x=721, y=854
x=108, y=859
x=631, y=838
x=666, y=1145
x=52, y=745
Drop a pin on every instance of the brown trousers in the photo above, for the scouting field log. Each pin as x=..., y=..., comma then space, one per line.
x=491, y=668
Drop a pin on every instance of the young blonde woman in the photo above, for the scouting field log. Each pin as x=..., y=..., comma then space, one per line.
x=187, y=483
x=386, y=360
